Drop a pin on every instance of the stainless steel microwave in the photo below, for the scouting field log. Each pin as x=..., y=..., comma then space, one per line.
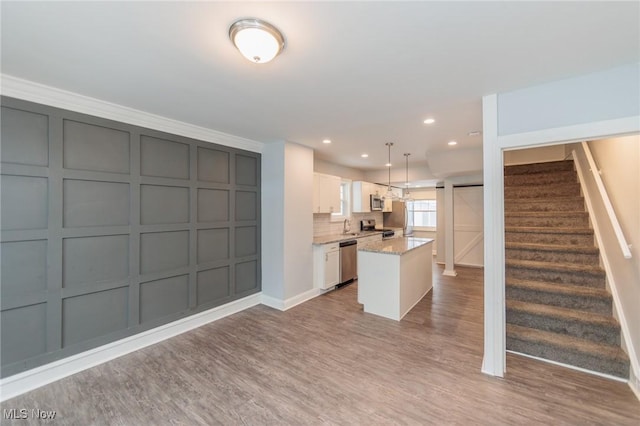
x=377, y=203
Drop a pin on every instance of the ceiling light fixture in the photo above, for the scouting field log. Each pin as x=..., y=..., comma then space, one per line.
x=257, y=40
x=429, y=121
x=407, y=194
x=326, y=141
x=452, y=143
x=389, y=195
x=365, y=156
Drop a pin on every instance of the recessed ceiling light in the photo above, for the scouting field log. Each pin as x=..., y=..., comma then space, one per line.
x=474, y=133
x=429, y=121
x=388, y=164
x=453, y=143
x=326, y=141
x=257, y=40
x=365, y=156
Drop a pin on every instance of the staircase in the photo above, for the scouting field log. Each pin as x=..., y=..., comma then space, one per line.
x=558, y=307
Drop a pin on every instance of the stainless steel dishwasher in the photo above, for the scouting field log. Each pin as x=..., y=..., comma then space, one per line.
x=348, y=261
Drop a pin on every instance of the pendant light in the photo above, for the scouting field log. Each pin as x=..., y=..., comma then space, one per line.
x=407, y=195
x=389, y=195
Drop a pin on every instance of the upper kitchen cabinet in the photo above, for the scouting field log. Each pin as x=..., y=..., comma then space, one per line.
x=361, y=196
x=326, y=193
x=362, y=192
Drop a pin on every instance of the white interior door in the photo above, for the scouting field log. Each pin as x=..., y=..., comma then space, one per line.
x=468, y=226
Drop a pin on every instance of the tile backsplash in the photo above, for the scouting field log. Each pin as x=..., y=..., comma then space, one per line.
x=323, y=226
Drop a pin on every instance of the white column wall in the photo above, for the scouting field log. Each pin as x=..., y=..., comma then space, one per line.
x=287, y=224
x=298, y=220
x=273, y=209
x=449, y=248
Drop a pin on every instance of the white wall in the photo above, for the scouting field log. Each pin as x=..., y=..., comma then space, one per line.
x=440, y=218
x=534, y=155
x=605, y=95
x=298, y=220
x=287, y=235
x=423, y=193
x=455, y=162
x=273, y=215
x=619, y=163
x=417, y=172
x=321, y=166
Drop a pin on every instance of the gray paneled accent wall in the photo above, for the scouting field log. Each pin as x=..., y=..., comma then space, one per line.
x=110, y=229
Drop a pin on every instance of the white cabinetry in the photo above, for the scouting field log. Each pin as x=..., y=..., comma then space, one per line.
x=326, y=265
x=326, y=193
x=361, y=196
x=362, y=192
x=388, y=204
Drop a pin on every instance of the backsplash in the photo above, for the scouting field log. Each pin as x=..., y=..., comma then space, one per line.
x=323, y=226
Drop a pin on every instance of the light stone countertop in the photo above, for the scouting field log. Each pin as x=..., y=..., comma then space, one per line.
x=397, y=246
x=336, y=238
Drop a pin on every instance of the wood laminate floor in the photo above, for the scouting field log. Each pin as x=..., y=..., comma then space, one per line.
x=327, y=362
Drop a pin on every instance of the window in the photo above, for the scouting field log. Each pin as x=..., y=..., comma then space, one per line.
x=345, y=202
x=423, y=212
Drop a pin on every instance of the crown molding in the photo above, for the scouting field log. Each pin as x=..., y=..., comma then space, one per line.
x=39, y=93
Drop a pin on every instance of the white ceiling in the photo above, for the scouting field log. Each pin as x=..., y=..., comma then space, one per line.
x=360, y=74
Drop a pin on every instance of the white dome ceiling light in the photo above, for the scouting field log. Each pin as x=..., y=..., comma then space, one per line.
x=257, y=40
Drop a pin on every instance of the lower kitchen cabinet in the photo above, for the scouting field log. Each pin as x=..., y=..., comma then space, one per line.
x=326, y=265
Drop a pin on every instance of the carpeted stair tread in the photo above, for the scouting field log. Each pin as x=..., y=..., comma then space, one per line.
x=563, y=313
x=548, y=191
x=549, y=219
x=556, y=266
x=547, y=214
x=541, y=178
x=545, y=230
x=538, y=167
x=582, y=353
x=565, y=289
x=555, y=204
x=553, y=247
x=586, y=299
x=545, y=200
x=556, y=339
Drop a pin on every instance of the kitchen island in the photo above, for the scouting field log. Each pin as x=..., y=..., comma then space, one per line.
x=394, y=275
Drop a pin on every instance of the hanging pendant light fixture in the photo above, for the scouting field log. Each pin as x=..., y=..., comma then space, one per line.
x=407, y=194
x=389, y=195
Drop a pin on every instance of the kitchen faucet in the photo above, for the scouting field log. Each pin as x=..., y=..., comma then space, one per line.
x=346, y=226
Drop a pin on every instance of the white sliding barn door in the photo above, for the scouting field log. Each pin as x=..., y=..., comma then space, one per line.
x=468, y=225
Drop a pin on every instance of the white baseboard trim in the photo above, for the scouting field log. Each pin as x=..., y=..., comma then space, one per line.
x=39, y=93
x=572, y=367
x=24, y=382
x=450, y=273
x=634, y=384
x=283, y=305
x=272, y=302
